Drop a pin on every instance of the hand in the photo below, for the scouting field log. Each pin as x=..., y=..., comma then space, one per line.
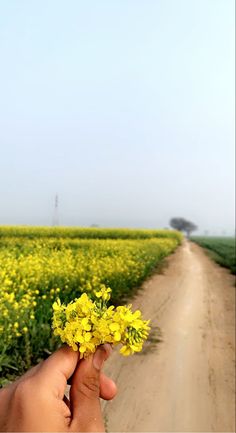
x=36, y=402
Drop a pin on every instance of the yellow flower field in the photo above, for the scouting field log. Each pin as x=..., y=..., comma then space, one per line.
x=35, y=270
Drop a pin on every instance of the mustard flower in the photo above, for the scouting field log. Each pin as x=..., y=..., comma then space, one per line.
x=84, y=324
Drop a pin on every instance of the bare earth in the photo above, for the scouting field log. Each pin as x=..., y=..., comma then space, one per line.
x=185, y=382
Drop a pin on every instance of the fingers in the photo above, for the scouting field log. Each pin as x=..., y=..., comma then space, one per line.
x=66, y=401
x=57, y=369
x=85, y=392
x=108, y=388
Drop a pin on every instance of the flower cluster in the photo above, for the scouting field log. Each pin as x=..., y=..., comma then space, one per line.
x=85, y=324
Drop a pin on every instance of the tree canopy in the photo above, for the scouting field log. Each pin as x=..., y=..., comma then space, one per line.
x=183, y=225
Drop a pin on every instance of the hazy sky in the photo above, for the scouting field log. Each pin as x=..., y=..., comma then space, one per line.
x=123, y=108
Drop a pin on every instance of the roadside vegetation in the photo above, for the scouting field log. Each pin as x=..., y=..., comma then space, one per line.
x=221, y=249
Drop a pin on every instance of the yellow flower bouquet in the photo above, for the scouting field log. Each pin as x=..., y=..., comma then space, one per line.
x=84, y=324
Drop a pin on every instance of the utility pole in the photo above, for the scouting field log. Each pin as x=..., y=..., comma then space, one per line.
x=55, y=221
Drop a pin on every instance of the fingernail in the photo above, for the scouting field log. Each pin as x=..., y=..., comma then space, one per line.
x=101, y=354
x=99, y=358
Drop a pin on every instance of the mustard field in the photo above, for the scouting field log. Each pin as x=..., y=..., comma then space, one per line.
x=39, y=264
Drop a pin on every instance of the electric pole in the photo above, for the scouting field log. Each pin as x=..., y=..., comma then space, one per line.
x=55, y=221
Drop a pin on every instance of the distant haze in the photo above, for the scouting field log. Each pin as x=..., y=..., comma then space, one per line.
x=125, y=109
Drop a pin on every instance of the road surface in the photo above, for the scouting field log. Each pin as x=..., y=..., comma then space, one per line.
x=184, y=379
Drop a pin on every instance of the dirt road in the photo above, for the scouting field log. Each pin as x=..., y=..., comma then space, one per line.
x=185, y=382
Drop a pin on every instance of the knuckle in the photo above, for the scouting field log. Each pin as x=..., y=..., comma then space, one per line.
x=89, y=387
x=21, y=394
x=25, y=389
x=22, y=390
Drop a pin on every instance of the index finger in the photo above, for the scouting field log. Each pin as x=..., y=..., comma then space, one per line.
x=57, y=369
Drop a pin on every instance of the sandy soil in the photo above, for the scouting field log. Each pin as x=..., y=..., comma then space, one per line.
x=184, y=379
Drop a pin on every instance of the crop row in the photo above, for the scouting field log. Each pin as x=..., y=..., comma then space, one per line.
x=84, y=233
x=222, y=250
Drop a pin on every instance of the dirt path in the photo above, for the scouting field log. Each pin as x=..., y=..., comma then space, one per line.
x=185, y=382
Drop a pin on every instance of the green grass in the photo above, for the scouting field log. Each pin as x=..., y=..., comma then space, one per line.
x=222, y=250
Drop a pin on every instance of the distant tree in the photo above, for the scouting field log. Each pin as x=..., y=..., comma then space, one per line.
x=189, y=228
x=183, y=225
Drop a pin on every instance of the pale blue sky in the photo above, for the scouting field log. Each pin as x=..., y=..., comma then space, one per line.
x=124, y=108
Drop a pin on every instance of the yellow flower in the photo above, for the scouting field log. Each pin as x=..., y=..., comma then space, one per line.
x=56, y=305
x=84, y=324
x=87, y=337
x=117, y=336
x=103, y=293
x=114, y=326
x=126, y=351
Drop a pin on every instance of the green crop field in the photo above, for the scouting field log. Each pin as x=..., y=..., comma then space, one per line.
x=221, y=249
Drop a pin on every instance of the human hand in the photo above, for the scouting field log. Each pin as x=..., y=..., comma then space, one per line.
x=36, y=402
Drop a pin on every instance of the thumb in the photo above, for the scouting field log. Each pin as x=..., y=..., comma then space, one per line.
x=85, y=390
